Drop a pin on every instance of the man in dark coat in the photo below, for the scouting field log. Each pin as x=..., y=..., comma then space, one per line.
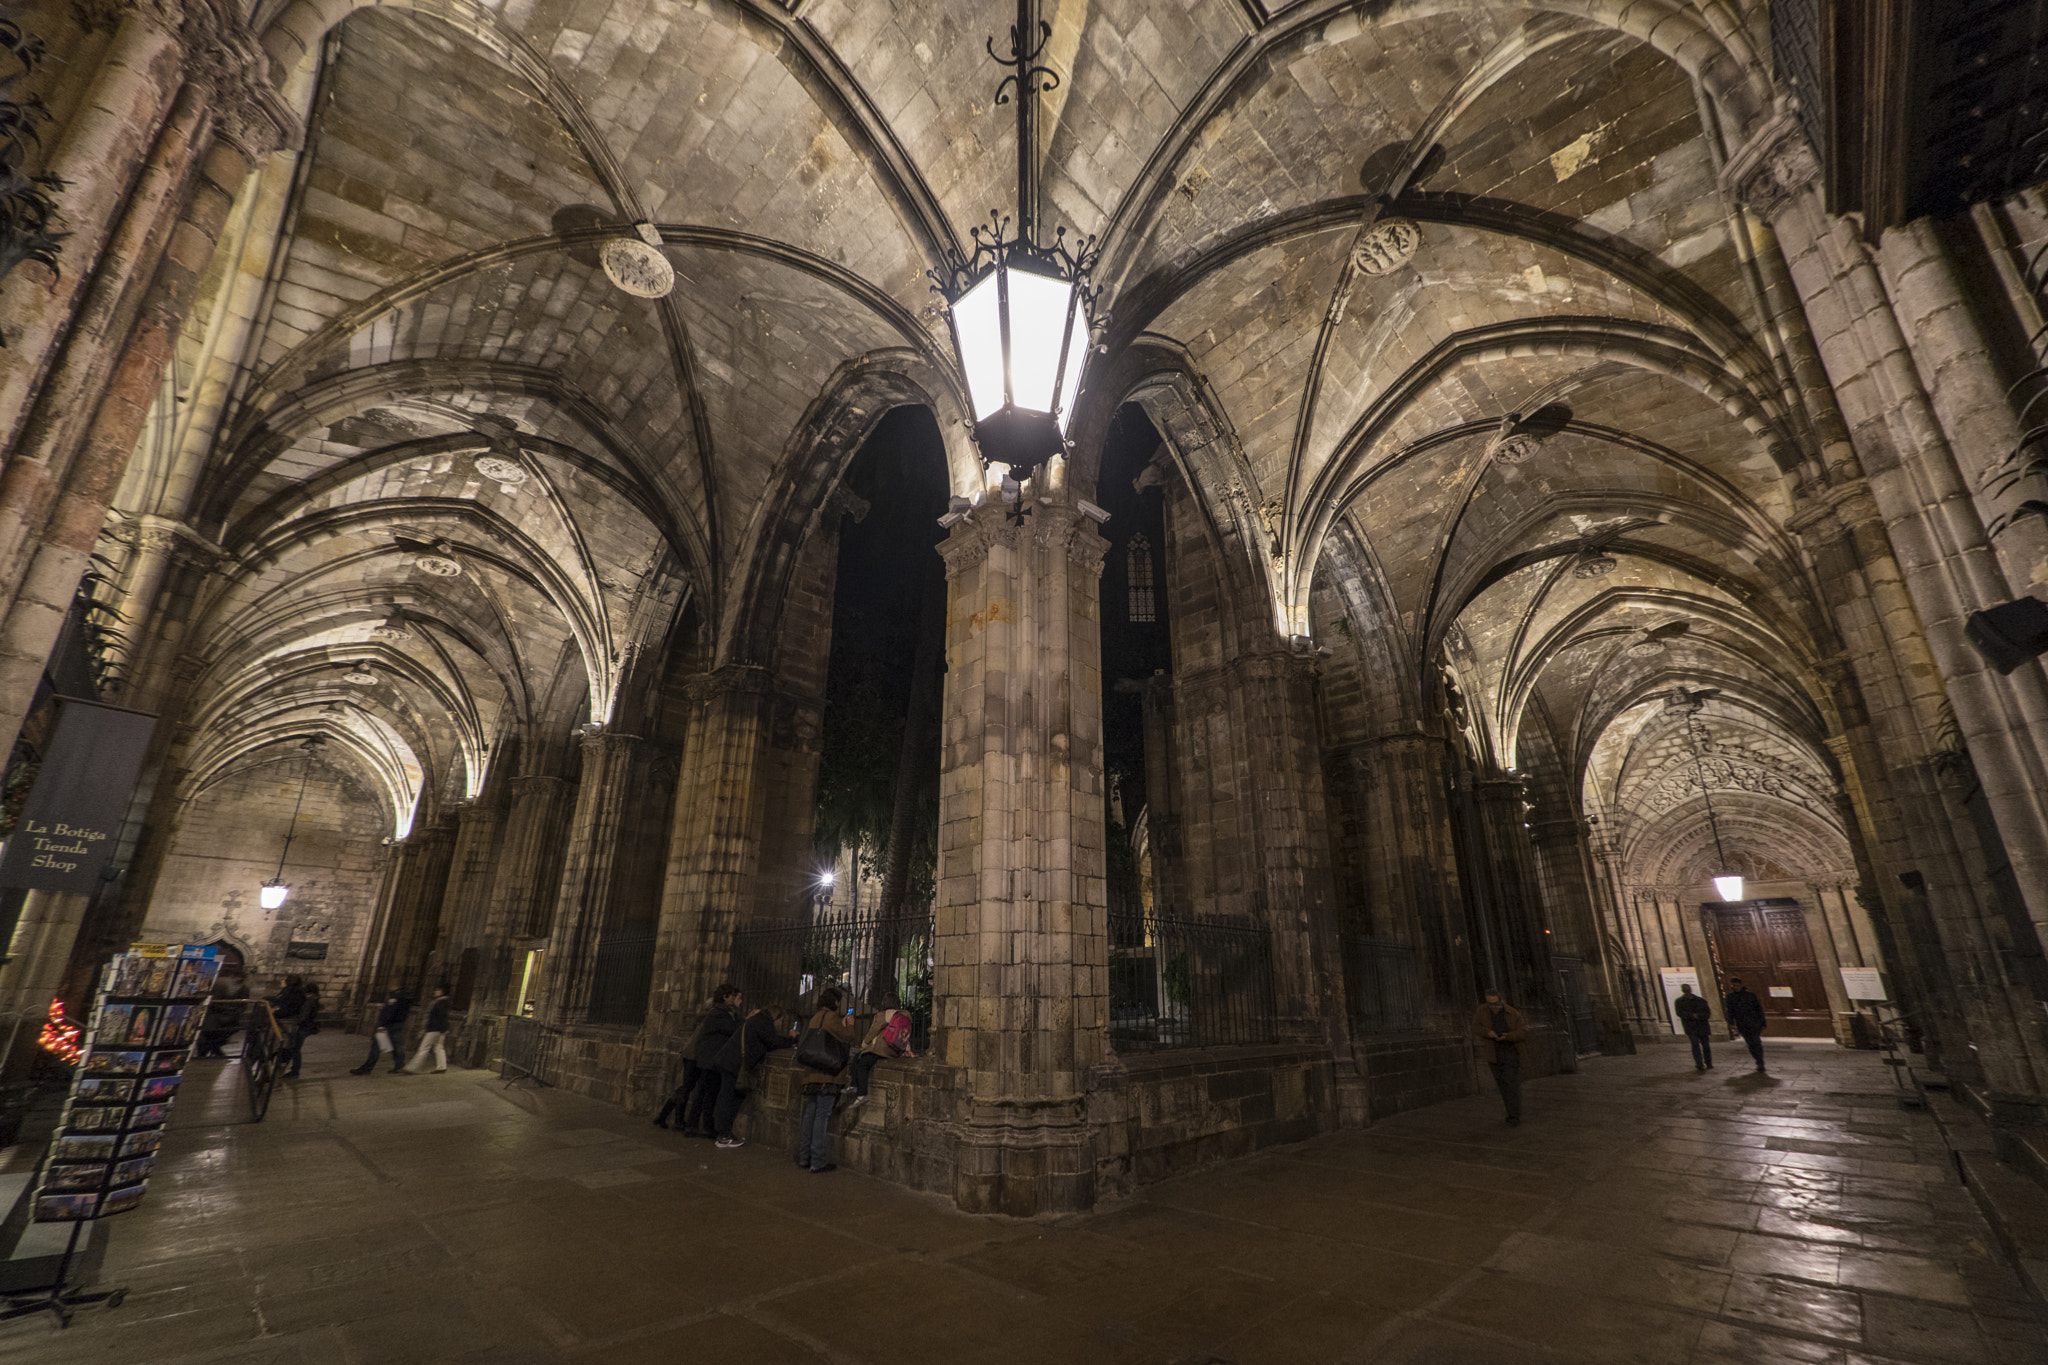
x=1697, y=1016
x=390, y=1033
x=1500, y=1025
x=1746, y=1016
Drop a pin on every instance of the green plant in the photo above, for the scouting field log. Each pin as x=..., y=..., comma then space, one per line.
x=28, y=202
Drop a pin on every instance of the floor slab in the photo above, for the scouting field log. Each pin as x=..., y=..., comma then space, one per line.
x=1641, y=1212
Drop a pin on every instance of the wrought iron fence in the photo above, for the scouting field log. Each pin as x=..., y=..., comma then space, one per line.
x=787, y=963
x=621, y=977
x=527, y=1048
x=263, y=1054
x=1177, y=982
x=1384, y=983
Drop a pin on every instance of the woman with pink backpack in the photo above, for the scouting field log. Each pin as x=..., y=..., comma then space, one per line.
x=888, y=1038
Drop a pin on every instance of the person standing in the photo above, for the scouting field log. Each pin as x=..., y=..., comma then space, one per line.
x=1697, y=1016
x=301, y=1026
x=1746, y=1016
x=720, y=1023
x=437, y=1030
x=821, y=1088
x=739, y=1062
x=390, y=1033
x=1501, y=1024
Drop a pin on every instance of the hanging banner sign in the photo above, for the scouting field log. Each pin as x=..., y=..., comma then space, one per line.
x=74, y=812
x=152, y=1000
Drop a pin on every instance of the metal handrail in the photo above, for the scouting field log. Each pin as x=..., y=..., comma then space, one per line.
x=262, y=1044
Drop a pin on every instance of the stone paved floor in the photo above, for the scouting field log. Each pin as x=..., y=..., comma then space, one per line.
x=1641, y=1213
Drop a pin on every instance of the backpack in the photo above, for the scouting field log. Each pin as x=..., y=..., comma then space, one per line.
x=896, y=1034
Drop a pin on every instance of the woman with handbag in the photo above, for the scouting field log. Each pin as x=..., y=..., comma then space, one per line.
x=739, y=1064
x=823, y=1053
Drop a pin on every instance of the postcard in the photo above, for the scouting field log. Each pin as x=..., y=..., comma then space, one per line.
x=129, y=1171
x=66, y=1179
x=149, y=1115
x=137, y=1144
x=65, y=1208
x=115, y=1063
x=70, y=1148
x=104, y=1090
x=121, y=1200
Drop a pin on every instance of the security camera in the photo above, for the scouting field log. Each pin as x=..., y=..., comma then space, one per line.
x=953, y=518
x=1092, y=512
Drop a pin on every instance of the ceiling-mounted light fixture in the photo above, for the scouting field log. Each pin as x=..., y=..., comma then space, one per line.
x=1727, y=885
x=1022, y=313
x=273, y=893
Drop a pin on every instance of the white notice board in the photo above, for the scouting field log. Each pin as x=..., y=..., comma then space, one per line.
x=1673, y=978
x=1864, y=983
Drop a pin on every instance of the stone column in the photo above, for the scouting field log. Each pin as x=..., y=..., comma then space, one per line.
x=1968, y=395
x=479, y=828
x=418, y=880
x=583, y=905
x=1254, y=827
x=1929, y=516
x=714, y=853
x=1562, y=865
x=1021, y=956
x=523, y=887
x=105, y=147
x=1510, y=886
x=1414, y=895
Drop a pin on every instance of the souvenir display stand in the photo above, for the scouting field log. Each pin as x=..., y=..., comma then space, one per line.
x=151, y=1002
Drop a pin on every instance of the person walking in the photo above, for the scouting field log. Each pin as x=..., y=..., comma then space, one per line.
x=822, y=1087
x=721, y=1021
x=437, y=1030
x=1501, y=1024
x=302, y=1025
x=738, y=1065
x=888, y=1038
x=390, y=1033
x=1746, y=1016
x=1697, y=1016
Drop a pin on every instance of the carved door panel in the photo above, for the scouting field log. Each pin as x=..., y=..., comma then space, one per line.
x=1768, y=946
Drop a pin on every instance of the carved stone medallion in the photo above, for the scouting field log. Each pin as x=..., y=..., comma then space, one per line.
x=1386, y=246
x=638, y=268
x=498, y=469
x=440, y=566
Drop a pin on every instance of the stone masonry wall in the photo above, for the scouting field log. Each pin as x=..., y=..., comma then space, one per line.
x=226, y=848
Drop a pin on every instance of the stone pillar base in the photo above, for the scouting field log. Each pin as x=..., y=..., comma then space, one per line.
x=1024, y=1158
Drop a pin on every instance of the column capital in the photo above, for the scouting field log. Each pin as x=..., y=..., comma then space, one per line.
x=224, y=58
x=1049, y=526
x=1774, y=166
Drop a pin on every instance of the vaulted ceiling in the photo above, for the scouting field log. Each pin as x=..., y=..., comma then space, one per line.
x=419, y=290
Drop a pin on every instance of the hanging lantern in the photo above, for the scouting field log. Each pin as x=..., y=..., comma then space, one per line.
x=1729, y=887
x=272, y=895
x=1022, y=315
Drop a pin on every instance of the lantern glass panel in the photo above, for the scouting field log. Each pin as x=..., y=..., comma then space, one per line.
x=272, y=895
x=1070, y=381
x=1730, y=888
x=1039, y=308
x=978, y=330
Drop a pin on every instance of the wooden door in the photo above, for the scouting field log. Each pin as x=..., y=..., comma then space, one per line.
x=1766, y=944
